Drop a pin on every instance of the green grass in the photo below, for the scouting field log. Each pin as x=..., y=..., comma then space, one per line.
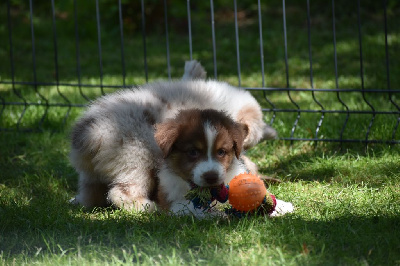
x=347, y=197
x=347, y=212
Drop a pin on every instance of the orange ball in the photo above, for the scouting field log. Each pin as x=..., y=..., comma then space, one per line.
x=246, y=192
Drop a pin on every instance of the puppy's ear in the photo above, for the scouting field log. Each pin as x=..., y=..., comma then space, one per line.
x=239, y=133
x=165, y=135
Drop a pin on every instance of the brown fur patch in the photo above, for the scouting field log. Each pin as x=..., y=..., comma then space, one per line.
x=95, y=194
x=179, y=138
x=224, y=142
x=155, y=184
x=247, y=116
x=248, y=113
x=162, y=201
x=165, y=136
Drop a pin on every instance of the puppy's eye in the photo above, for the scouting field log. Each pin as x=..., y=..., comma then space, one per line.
x=193, y=153
x=221, y=152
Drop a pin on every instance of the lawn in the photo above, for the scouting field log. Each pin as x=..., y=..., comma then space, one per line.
x=347, y=212
x=347, y=196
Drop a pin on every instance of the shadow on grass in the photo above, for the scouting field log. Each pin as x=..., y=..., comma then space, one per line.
x=374, y=165
x=47, y=226
x=349, y=239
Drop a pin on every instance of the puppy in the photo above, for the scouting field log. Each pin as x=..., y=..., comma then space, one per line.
x=200, y=147
x=125, y=144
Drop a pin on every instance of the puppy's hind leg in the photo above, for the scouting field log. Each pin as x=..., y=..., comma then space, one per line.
x=133, y=194
x=91, y=193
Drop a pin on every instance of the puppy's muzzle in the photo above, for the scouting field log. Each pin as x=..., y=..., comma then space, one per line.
x=211, y=178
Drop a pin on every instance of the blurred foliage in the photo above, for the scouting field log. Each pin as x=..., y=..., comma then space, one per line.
x=177, y=12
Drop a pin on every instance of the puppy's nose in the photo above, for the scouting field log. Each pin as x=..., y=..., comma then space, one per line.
x=210, y=177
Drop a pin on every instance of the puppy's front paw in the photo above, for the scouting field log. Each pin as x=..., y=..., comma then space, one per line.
x=282, y=208
x=187, y=208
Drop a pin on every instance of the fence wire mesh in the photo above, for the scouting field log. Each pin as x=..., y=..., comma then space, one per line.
x=322, y=72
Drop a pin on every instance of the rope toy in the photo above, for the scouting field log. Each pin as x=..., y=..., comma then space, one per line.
x=246, y=193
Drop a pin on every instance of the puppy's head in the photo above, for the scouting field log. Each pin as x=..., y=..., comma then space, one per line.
x=200, y=145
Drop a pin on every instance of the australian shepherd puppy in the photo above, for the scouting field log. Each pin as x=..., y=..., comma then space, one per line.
x=144, y=147
x=201, y=148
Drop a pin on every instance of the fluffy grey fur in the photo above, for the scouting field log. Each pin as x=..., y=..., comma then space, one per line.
x=113, y=147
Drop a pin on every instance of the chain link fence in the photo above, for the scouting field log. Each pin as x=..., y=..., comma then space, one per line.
x=322, y=72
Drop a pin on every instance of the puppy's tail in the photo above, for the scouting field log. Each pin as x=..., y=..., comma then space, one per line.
x=194, y=70
x=269, y=133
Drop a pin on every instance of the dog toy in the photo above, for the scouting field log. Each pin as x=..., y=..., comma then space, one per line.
x=246, y=194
